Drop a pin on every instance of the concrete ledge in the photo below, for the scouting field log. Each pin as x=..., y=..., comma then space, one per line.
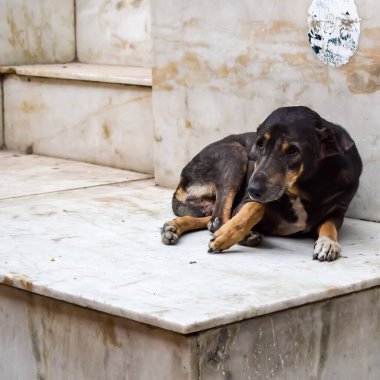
x=141, y=76
x=334, y=339
x=94, y=242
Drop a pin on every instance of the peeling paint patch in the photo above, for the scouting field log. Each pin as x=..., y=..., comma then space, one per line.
x=334, y=29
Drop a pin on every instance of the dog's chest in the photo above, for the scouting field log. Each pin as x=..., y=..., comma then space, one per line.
x=287, y=224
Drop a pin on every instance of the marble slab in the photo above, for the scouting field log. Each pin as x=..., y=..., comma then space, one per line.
x=23, y=175
x=36, y=31
x=57, y=340
x=217, y=73
x=114, y=32
x=141, y=76
x=334, y=339
x=100, y=123
x=100, y=248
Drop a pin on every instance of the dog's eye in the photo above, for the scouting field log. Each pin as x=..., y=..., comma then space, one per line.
x=292, y=151
x=260, y=143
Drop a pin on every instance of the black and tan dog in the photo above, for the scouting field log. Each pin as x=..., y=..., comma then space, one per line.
x=296, y=175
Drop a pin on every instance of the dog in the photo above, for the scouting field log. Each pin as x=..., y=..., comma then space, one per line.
x=295, y=176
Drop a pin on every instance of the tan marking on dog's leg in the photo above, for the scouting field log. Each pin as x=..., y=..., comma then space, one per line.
x=228, y=206
x=172, y=230
x=237, y=228
x=327, y=248
x=328, y=229
x=181, y=194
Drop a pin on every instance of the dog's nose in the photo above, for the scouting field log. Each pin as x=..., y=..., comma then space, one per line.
x=257, y=186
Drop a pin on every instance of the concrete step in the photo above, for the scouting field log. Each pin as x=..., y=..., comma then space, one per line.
x=98, y=114
x=82, y=265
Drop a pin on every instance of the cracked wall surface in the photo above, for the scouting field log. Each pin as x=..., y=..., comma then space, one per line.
x=334, y=339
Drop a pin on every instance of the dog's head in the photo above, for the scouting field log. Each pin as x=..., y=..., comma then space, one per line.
x=289, y=146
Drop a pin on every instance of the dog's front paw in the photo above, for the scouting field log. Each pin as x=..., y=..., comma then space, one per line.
x=169, y=234
x=214, y=225
x=326, y=249
x=227, y=236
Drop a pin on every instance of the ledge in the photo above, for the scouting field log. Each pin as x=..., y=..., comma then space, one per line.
x=99, y=247
x=140, y=76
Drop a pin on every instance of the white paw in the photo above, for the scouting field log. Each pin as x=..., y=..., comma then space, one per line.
x=326, y=249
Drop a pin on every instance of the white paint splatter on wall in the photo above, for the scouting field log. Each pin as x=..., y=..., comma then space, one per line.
x=334, y=29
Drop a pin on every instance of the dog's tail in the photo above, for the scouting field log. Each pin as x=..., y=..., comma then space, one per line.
x=182, y=208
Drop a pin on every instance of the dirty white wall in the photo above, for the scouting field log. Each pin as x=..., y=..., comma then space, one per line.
x=222, y=67
x=36, y=31
x=114, y=32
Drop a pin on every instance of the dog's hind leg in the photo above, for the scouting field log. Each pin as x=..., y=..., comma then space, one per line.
x=327, y=248
x=231, y=169
x=172, y=230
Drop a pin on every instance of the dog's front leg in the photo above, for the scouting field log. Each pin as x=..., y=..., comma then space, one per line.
x=327, y=248
x=237, y=228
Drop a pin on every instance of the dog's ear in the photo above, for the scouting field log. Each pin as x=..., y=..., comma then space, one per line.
x=331, y=144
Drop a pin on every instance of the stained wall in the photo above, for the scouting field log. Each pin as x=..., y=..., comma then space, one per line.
x=38, y=31
x=222, y=69
x=114, y=32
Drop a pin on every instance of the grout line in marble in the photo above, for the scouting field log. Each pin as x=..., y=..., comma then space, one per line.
x=77, y=188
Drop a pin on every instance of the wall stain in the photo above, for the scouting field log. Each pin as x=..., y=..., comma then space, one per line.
x=109, y=333
x=363, y=79
x=8, y=281
x=324, y=338
x=296, y=59
x=120, y=5
x=372, y=33
x=163, y=74
x=192, y=23
x=243, y=59
x=29, y=107
x=106, y=131
x=18, y=281
x=136, y=3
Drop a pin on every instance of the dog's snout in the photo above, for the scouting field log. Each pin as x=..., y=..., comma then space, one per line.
x=257, y=186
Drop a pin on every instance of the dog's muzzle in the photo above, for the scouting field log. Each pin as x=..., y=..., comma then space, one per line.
x=257, y=187
x=261, y=190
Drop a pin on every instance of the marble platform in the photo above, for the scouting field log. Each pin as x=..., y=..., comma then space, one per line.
x=82, y=265
x=99, y=247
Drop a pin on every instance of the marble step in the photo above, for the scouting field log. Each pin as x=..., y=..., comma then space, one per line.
x=99, y=114
x=82, y=265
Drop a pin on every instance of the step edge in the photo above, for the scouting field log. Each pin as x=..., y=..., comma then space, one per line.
x=139, y=76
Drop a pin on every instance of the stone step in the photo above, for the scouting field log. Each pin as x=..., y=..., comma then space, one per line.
x=98, y=114
x=82, y=265
x=141, y=76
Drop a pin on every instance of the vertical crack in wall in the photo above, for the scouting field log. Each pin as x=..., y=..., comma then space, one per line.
x=2, y=121
x=76, y=59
